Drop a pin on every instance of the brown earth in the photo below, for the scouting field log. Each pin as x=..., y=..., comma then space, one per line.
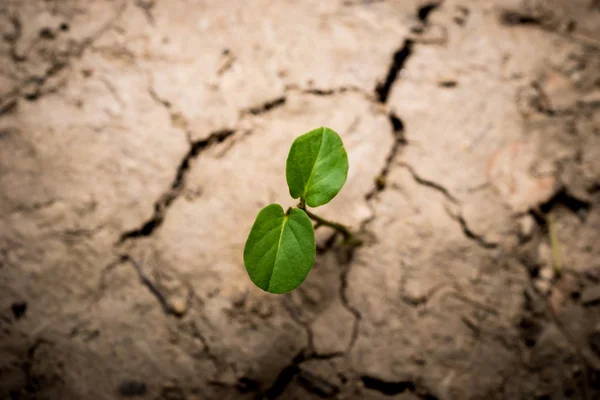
x=138, y=140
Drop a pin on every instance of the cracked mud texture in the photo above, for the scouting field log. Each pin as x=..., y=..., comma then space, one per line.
x=139, y=138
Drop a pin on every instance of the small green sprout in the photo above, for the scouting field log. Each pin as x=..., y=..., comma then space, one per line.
x=280, y=249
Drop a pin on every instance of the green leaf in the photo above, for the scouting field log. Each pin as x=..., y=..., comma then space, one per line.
x=317, y=166
x=280, y=250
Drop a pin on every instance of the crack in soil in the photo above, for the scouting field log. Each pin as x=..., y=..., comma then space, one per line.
x=430, y=184
x=151, y=286
x=349, y=307
x=479, y=239
x=177, y=119
x=425, y=10
x=266, y=106
x=399, y=141
x=288, y=373
x=31, y=384
x=161, y=206
x=56, y=66
x=382, y=90
x=562, y=198
x=331, y=91
x=456, y=216
x=393, y=388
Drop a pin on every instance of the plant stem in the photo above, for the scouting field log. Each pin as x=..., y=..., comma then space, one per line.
x=345, y=231
x=554, y=246
x=322, y=221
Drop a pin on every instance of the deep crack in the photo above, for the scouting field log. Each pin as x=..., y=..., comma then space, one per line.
x=399, y=141
x=163, y=203
x=480, y=240
x=283, y=379
x=513, y=18
x=565, y=199
x=426, y=9
x=287, y=374
x=393, y=388
x=349, y=307
x=382, y=90
x=267, y=106
x=430, y=184
x=56, y=66
x=151, y=286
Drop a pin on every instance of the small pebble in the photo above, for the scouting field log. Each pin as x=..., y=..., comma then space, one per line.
x=543, y=286
x=546, y=273
x=178, y=306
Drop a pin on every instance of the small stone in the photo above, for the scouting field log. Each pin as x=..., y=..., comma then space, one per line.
x=178, y=306
x=542, y=286
x=591, y=295
x=546, y=273
x=526, y=226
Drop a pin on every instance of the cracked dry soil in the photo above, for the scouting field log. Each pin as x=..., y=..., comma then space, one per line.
x=139, y=138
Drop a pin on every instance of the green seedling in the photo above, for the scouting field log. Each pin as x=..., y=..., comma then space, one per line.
x=280, y=249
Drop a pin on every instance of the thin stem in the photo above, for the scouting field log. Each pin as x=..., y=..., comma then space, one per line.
x=320, y=221
x=556, y=262
x=302, y=204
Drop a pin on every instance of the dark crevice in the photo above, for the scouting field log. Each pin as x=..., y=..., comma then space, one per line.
x=480, y=240
x=382, y=90
x=322, y=92
x=425, y=10
x=327, y=244
x=317, y=385
x=399, y=141
x=267, y=106
x=349, y=307
x=387, y=388
x=398, y=127
x=295, y=315
x=77, y=49
x=513, y=18
x=290, y=372
x=18, y=309
x=32, y=382
x=163, y=299
x=564, y=199
x=283, y=379
x=430, y=184
x=146, y=6
x=151, y=286
x=247, y=385
x=315, y=91
x=393, y=388
x=166, y=199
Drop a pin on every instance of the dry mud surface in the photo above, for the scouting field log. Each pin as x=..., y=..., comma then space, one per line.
x=139, y=138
